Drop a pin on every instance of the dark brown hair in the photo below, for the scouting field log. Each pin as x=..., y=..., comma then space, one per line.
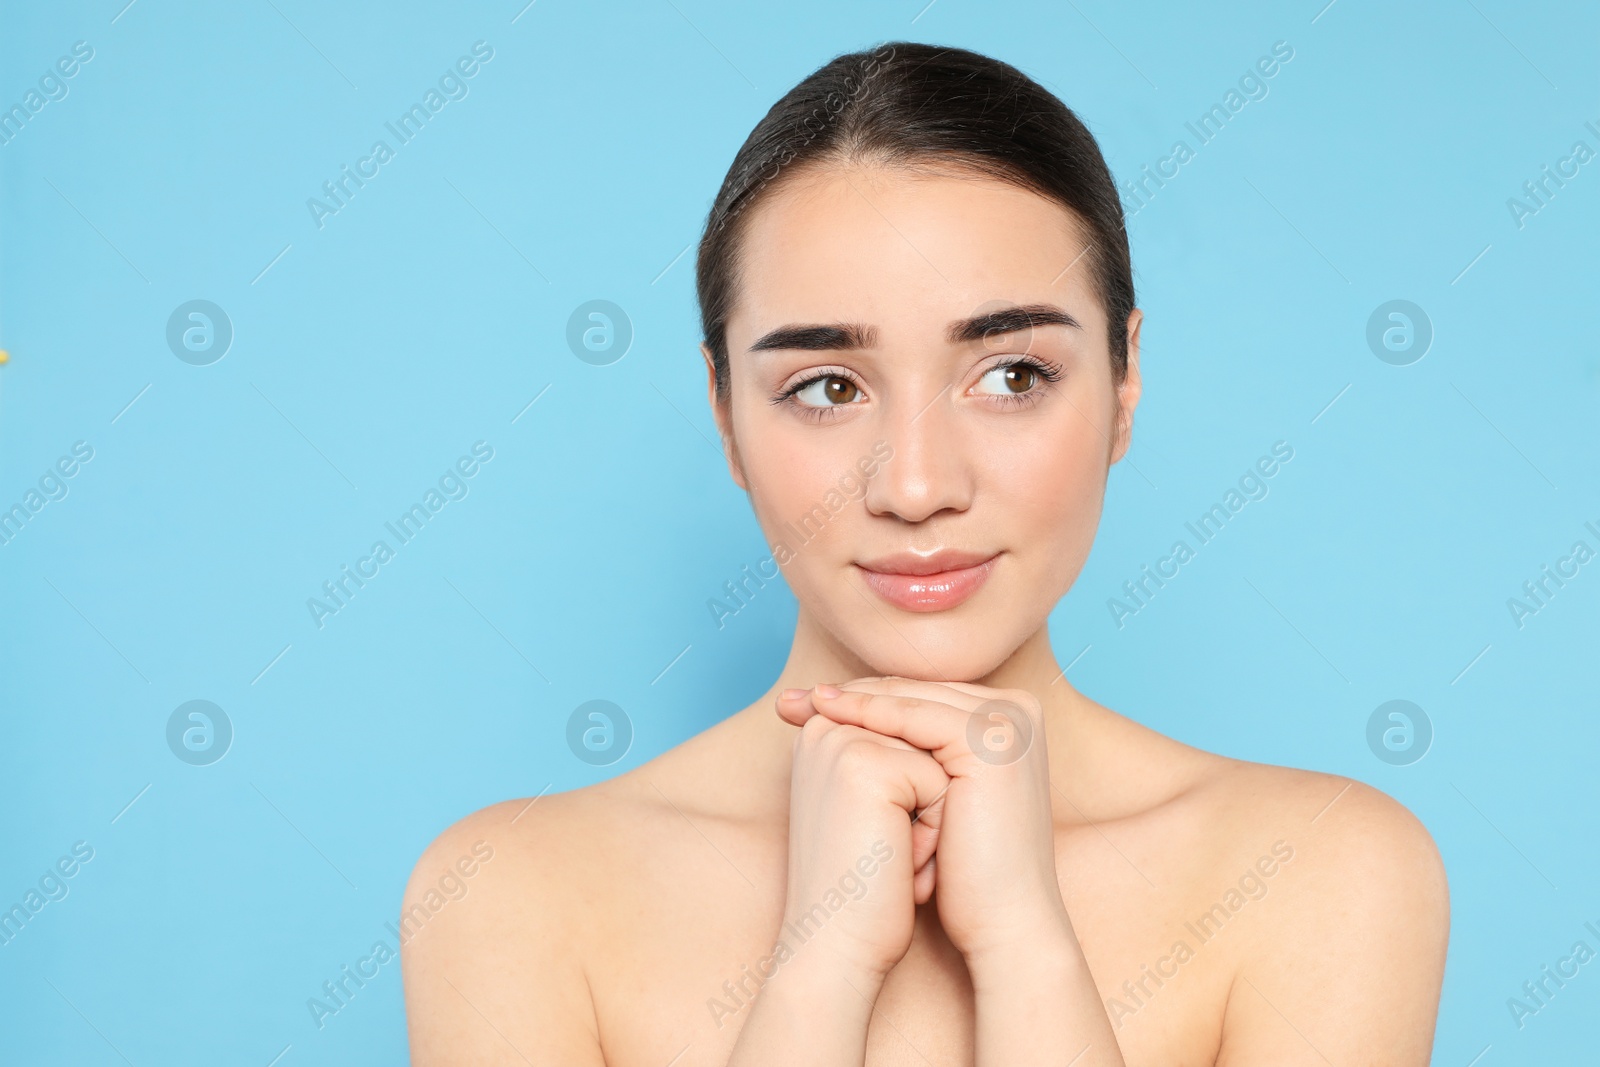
x=904, y=103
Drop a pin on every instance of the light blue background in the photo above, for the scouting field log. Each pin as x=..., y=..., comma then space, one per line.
x=428, y=313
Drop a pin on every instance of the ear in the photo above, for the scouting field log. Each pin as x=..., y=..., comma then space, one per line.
x=722, y=413
x=1128, y=391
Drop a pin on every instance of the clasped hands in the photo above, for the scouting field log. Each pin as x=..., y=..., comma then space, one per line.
x=966, y=767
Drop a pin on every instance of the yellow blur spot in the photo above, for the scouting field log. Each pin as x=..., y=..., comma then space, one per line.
x=4, y=356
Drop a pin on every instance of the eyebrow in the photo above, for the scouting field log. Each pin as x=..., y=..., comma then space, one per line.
x=842, y=336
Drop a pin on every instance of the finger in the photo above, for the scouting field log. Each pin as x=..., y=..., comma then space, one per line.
x=884, y=740
x=932, y=816
x=924, y=844
x=926, y=825
x=956, y=694
x=914, y=779
x=929, y=724
x=999, y=728
x=971, y=696
x=995, y=706
x=923, y=882
x=794, y=706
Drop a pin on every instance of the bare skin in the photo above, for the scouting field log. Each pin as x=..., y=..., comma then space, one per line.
x=1112, y=896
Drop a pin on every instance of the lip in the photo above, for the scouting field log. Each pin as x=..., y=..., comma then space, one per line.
x=937, y=582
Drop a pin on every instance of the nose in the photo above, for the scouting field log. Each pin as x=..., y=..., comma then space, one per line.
x=931, y=468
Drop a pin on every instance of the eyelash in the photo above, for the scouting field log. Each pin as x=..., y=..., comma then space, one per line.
x=1049, y=372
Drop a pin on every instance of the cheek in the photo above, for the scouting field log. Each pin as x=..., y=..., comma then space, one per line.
x=1053, y=490
x=1053, y=493
x=794, y=486
x=799, y=480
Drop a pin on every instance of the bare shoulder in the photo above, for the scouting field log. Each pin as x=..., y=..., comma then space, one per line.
x=1355, y=846
x=491, y=938
x=1349, y=839
x=509, y=910
x=1326, y=898
x=1346, y=959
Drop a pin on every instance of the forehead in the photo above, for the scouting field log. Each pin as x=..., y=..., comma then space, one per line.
x=907, y=250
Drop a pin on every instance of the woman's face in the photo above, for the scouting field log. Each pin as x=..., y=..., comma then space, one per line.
x=883, y=410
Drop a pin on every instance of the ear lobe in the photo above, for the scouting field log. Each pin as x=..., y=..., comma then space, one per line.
x=721, y=414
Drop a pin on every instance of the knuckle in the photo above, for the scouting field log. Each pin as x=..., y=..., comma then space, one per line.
x=813, y=730
x=858, y=758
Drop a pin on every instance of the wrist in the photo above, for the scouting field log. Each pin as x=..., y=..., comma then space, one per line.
x=816, y=977
x=1043, y=952
x=814, y=1009
x=824, y=950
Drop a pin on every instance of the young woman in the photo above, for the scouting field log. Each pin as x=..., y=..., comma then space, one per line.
x=922, y=845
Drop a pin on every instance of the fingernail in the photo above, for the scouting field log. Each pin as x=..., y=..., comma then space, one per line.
x=827, y=692
x=791, y=694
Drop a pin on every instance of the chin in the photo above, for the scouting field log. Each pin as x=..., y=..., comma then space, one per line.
x=947, y=654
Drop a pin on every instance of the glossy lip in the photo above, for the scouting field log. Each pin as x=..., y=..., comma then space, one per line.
x=936, y=582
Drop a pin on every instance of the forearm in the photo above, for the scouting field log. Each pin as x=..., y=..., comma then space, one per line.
x=1038, y=1005
x=811, y=1013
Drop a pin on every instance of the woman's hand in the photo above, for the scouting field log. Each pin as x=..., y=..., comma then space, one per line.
x=850, y=902
x=998, y=896
x=851, y=834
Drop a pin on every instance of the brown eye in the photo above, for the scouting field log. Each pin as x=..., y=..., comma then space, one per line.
x=1019, y=379
x=841, y=390
x=1009, y=378
x=829, y=391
